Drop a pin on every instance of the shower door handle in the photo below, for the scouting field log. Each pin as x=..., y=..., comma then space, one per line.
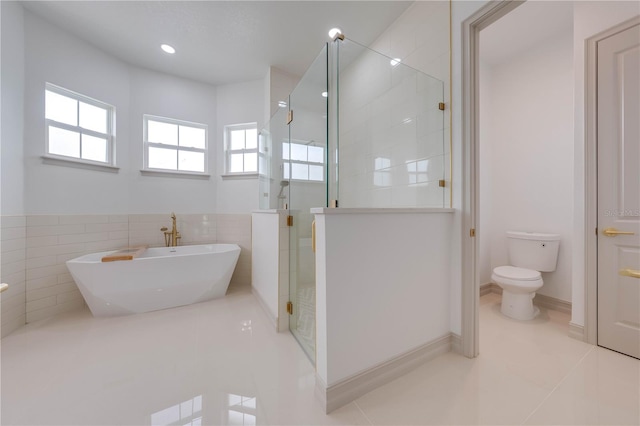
x=612, y=232
x=313, y=236
x=630, y=273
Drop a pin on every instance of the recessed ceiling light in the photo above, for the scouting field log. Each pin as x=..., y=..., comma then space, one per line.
x=395, y=61
x=325, y=94
x=167, y=48
x=333, y=32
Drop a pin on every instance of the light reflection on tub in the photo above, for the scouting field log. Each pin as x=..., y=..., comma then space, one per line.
x=160, y=278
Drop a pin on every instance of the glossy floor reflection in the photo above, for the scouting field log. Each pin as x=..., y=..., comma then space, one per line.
x=219, y=362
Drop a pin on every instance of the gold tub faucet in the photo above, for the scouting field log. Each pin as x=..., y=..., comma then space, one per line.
x=171, y=237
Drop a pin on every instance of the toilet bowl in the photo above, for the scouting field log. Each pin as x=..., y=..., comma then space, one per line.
x=529, y=253
x=519, y=286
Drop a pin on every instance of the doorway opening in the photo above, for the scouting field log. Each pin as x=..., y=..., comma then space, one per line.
x=525, y=145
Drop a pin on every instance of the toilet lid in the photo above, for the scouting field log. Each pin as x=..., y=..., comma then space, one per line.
x=515, y=273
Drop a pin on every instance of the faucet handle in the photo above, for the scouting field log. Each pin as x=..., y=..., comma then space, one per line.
x=164, y=228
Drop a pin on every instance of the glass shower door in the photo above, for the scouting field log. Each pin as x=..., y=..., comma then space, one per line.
x=391, y=132
x=305, y=168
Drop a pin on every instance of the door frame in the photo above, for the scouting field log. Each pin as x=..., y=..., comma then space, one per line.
x=471, y=28
x=590, y=331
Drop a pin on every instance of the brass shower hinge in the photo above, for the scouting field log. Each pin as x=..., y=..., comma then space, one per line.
x=442, y=183
x=441, y=106
x=289, y=220
x=290, y=116
x=290, y=308
x=472, y=232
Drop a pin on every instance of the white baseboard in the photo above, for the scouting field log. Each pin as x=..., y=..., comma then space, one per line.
x=576, y=331
x=283, y=323
x=541, y=300
x=273, y=320
x=552, y=303
x=489, y=288
x=456, y=343
x=342, y=393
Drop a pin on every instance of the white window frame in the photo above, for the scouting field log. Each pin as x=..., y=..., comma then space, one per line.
x=287, y=162
x=228, y=151
x=109, y=136
x=147, y=145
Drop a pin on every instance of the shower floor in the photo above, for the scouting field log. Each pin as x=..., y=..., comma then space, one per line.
x=305, y=320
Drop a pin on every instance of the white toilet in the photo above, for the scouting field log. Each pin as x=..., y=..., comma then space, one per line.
x=529, y=253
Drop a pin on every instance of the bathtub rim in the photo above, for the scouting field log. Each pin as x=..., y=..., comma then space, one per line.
x=97, y=257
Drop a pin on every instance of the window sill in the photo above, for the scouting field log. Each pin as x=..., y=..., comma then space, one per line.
x=183, y=175
x=240, y=176
x=78, y=164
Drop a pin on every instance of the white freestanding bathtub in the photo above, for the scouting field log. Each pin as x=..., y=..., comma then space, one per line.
x=159, y=278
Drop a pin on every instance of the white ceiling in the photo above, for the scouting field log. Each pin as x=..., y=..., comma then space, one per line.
x=218, y=42
x=526, y=26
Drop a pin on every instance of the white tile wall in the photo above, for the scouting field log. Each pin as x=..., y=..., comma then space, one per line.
x=236, y=228
x=374, y=125
x=36, y=247
x=12, y=260
x=51, y=240
x=393, y=139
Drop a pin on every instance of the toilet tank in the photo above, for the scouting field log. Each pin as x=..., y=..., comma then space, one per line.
x=533, y=250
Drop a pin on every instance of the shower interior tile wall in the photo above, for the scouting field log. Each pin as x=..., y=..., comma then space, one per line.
x=369, y=125
x=383, y=134
x=35, y=249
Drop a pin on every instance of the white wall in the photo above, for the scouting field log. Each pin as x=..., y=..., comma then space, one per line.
x=280, y=84
x=265, y=243
x=12, y=85
x=529, y=154
x=52, y=55
x=12, y=228
x=374, y=301
x=486, y=181
x=237, y=103
x=173, y=97
x=590, y=18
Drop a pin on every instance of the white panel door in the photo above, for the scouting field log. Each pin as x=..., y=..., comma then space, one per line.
x=619, y=192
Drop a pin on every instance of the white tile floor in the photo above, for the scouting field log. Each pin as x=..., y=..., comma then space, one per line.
x=219, y=362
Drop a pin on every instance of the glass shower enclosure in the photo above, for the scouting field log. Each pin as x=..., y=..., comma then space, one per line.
x=360, y=128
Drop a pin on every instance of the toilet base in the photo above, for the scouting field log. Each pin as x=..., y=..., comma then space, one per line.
x=519, y=305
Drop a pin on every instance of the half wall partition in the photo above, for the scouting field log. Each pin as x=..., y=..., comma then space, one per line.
x=360, y=130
